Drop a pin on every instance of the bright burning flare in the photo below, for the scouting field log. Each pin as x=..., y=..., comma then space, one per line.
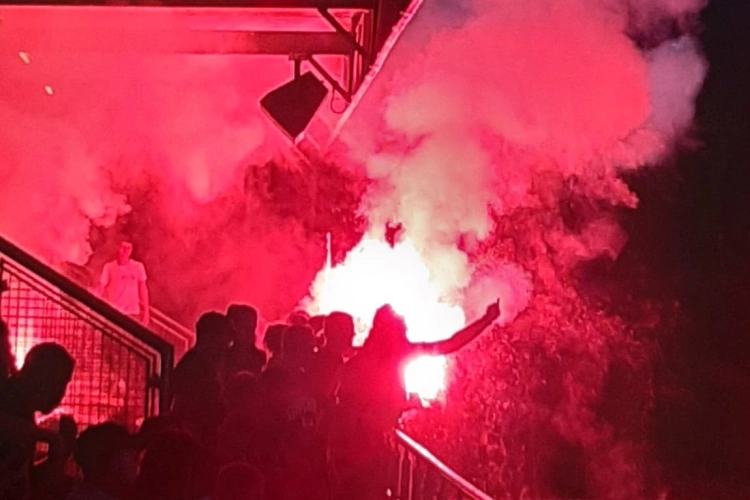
x=375, y=274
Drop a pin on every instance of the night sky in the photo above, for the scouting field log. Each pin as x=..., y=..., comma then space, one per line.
x=693, y=230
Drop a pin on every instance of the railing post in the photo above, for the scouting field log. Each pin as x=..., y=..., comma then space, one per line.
x=399, y=486
x=165, y=396
x=412, y=464
x=433, y=476
x=3, y=284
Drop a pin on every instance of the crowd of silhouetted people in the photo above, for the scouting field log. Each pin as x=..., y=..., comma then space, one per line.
x=307, y=416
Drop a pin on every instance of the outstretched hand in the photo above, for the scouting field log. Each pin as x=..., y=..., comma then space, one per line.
x=493, y=311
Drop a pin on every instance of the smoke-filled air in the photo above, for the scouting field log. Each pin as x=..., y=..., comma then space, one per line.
x=497, y=133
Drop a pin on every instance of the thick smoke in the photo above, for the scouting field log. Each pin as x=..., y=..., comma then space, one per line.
x=469, y=116
x=100, y=120
x=498, y=133
x=111, y=118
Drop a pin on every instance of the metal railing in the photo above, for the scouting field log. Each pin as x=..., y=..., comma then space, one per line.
x=177, y=334
x=122, y=369
x=422, y=476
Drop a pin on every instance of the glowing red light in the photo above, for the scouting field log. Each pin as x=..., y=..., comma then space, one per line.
x=373, y=274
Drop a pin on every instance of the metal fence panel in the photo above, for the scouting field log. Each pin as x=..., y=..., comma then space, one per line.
x=114, y=370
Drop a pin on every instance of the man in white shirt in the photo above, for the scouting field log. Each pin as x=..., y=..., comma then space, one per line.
x=123, y=284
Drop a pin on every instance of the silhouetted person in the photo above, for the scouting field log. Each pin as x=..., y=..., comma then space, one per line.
x=239, y=481
x=244, y=355
x=176, y=467
x=242, y=392
x=289, y=387
x=299, y=318
x=299, y=348
x=243, y=433
x=373, y=380
x=293, y=392
x=38, y=387
x=317, y=323
x=338, y=331
x=153, y=427
x=108, y=457
x=339, y=334
x=197, y=379
x=123, y=284
x=274, y=343
x=372, y=396
x=243, y=438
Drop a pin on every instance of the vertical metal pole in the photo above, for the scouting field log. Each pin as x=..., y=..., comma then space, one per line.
x=400, y=476
x=352, y=59
x=2, y=283
x=297, y=67
x=410, y=490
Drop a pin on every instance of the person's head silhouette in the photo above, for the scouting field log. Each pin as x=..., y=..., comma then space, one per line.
x=45, y=375
x=108, y=456
x=212, y=332
x=274, y=339
x=339, y=332
x=388, y=332
x=299, y=346
x=243, y=321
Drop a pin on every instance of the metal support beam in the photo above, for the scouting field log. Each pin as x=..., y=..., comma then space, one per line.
x=208, y=4
x=366, y=54
x=185, y=42
x=330, y=79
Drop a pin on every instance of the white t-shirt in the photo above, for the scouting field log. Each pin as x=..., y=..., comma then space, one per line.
x=120, y=284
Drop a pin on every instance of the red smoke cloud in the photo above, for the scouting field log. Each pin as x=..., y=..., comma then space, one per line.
x=129, y=124
x=497, y=133
x=488, y=118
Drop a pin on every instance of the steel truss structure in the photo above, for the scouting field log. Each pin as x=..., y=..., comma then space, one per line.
x=356, y=30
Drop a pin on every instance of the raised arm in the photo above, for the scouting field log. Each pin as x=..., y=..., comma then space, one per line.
x=465, y=335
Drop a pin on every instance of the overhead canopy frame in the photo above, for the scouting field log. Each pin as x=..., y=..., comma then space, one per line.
x=357, y=29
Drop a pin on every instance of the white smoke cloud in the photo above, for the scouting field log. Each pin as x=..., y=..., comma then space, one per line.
x=477, y=102
x=468, y=115
x=676, y=71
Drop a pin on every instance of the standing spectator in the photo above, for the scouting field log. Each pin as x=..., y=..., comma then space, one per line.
x=273, y=340
x=38, y=387
x=338, y=333
x=123, y=284
x=176, y=467
x=372, y=396
x=108, y=457
x=198, y=377
x=243, y=355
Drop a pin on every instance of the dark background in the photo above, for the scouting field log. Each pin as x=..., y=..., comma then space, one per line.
x=693, y=232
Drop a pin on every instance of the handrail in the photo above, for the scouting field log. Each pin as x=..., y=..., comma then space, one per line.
x=181, y=337
x=448, y=474
x=172, y=325
x=97, y=305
